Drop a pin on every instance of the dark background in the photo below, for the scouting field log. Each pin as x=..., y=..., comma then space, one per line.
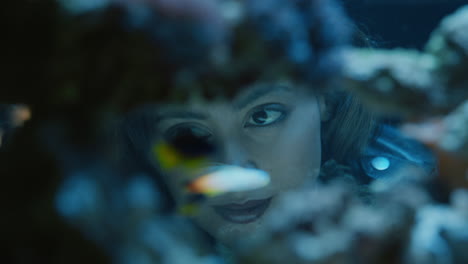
x=30, y=230
x=400, y=23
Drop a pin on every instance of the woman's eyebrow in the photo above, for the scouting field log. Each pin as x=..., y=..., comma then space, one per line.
x=257, y=93
x=182, y=115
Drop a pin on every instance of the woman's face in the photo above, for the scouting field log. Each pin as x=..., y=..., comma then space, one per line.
x=275, y=128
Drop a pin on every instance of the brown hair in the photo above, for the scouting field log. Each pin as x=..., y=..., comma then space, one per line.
x=346, y=133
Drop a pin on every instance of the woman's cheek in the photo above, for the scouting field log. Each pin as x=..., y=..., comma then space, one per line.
x=174, y=183
x=299, y=156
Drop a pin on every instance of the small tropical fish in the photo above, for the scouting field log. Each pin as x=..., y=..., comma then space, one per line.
x=191, y=204
x=229, y=179
x=169, y=157
x=189, y=209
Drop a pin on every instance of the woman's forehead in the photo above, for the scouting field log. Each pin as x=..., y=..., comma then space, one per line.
x=253, y=93
x=244, y=98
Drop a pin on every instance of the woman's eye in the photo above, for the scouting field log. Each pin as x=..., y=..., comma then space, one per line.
x=190, y=139
x=265, y=116
x=187, y=132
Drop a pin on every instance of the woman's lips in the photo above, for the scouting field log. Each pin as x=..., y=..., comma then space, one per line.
x=243, y=213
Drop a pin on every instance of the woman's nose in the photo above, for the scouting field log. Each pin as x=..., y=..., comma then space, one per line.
x=233, y=153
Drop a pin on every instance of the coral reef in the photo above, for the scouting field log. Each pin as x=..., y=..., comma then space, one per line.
x=412, y=82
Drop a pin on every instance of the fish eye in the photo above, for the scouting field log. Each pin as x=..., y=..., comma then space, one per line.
x=380, y=163
x=382, y=166
x=265, y=115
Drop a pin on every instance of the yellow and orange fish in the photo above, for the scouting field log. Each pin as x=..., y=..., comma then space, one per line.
x=170, y=158
x=229, y=178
